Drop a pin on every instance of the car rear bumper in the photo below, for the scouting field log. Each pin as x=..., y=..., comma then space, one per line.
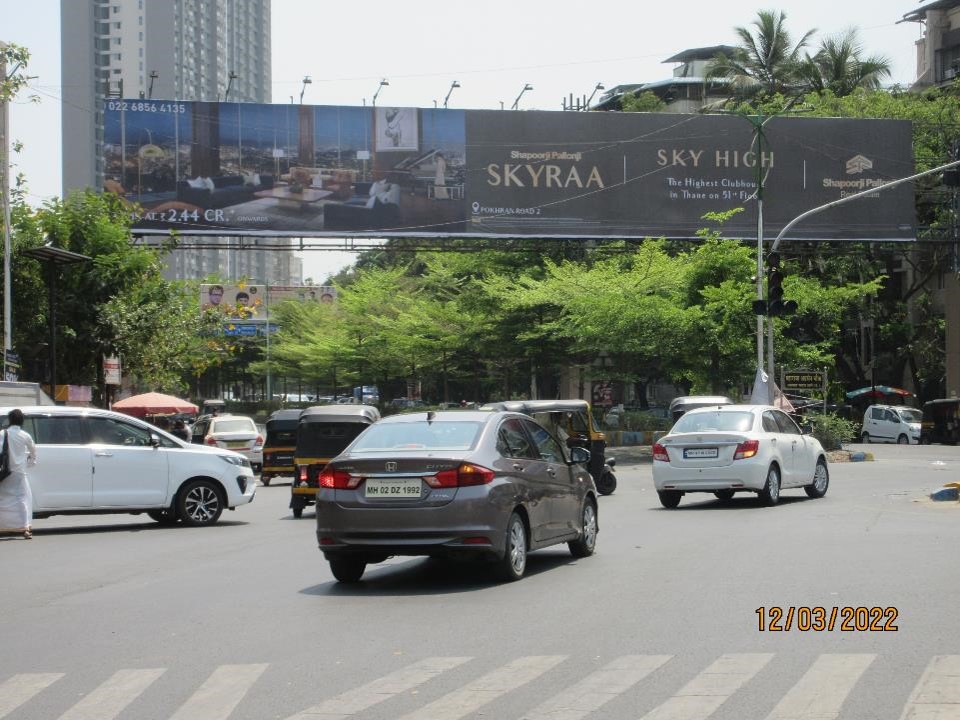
x=740, y=475
x=444, y=530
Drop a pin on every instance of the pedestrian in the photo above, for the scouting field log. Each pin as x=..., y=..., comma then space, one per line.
x=180, y=430
x=16, y=501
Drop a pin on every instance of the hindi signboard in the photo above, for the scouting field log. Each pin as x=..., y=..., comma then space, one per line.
x=803, y=380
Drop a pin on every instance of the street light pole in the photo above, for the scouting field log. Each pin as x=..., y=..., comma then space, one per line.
x=850, y=198
x=516, y=103
x=454, y=84
x=306, y=81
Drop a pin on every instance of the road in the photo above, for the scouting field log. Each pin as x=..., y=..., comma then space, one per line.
x=117, y=617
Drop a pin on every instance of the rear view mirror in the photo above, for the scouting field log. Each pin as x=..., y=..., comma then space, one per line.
x=154, y=440
x=579, y=455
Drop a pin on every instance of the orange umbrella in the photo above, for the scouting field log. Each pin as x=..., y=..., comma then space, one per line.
x=153, y=403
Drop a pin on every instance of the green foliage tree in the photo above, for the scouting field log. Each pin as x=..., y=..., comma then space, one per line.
x=645, y=101
x=839, y=66
x=766, y=61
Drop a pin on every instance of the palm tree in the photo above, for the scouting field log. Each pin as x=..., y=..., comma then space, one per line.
x=839, y=66
x=766, y=61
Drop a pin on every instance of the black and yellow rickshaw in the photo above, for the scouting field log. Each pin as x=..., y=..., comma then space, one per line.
x=323, y=432
x=280, y=446
x=573, y=422
x=941, y=422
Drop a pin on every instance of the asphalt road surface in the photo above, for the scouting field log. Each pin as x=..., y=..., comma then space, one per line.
x=117, y=617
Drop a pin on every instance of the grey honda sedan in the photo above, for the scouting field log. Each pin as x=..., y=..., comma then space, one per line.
x=454, y=484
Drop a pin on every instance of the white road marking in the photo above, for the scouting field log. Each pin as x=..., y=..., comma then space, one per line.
x=111, y=697
x=598, y=688
x=476, y=694
x=220, y=694
x=377, y=691
x=700, y=697
x=822, y=690
x=937, y=694
x=20, y=688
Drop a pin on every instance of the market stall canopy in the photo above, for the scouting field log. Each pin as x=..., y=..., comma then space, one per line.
x=153, y=403
x=878, y=391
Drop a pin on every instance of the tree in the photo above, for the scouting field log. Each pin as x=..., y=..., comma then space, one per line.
x=840, y=67
x=645, y=101
x=767, y=59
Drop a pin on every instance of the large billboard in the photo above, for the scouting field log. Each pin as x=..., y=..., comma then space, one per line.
x=330, y=171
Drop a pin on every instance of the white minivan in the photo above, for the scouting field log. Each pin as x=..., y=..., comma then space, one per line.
x=891, y=424
x=93, y=461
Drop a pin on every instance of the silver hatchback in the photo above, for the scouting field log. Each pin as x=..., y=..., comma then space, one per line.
x=455, y=484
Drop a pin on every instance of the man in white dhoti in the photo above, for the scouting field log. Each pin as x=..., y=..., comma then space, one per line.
x=16, y=502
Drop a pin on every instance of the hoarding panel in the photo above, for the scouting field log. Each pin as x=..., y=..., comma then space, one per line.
x=329, y=171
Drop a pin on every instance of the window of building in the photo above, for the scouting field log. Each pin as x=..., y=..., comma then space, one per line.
x=116, y=26
x=117, y=71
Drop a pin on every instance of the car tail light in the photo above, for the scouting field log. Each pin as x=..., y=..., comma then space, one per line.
x=660, y=453
x=338, y=479
x=304, y=474
x=211, y=440
x=259, y=440
x=465, y=475
x=477, y=540
x=746, y=449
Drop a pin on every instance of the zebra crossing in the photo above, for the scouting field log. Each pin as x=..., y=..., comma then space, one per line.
x=819, y=693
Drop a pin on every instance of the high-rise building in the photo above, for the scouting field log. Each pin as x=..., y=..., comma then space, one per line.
x=166, y=50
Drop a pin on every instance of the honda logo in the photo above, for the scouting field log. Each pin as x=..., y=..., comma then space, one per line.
x=391, y=467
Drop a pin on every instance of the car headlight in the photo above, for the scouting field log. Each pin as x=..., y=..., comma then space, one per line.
x=235, y=460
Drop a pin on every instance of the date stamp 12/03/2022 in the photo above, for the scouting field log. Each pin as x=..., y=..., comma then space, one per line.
x=823, y=619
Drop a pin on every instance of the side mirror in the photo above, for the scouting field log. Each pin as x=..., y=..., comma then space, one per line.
x=579, y=456
x=155, y=440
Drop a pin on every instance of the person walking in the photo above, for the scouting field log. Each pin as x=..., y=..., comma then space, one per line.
x=16, y=501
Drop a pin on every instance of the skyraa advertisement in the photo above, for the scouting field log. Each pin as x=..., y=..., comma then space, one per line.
x=296, y=170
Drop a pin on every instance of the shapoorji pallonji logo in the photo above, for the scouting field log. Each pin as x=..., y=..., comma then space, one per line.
x=858, y=164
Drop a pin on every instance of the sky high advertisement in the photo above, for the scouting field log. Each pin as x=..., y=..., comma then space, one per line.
x=315, y=171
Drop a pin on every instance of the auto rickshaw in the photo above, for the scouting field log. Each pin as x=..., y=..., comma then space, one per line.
x=323, y=432
x=941, y=422
x=280, y=446
x=572, y=421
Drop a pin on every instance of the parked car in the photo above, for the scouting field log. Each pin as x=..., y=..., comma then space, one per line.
x=97, y=461
x=232, y=432
x=401, y=403
x=727, y=449
x=891, y=424
x=457, y=484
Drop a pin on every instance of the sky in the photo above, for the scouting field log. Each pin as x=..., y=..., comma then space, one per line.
x=492, y=49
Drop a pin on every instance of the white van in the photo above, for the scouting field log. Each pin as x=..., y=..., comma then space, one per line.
x=891, y=423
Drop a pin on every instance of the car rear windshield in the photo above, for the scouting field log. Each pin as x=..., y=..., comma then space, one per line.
x=437, y=435
x=714, y=421
x=237, y=425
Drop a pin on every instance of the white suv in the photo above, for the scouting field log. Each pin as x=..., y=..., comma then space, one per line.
x=97, y=461
x=891, y=423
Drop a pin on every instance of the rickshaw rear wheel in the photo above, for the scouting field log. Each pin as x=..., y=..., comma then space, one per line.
x=607, y=483
x=265, y=479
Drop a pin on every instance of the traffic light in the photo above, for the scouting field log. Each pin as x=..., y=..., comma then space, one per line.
x=776, y=305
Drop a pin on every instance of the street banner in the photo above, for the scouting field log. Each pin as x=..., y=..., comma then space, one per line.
x=333, y=171
x=11, y=366
x=241, y=302
x=302, y=293
x=111, y=370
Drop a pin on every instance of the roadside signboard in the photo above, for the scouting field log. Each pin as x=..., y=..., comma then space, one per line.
x=111, y=370
x=11, y=366
x=803, y=380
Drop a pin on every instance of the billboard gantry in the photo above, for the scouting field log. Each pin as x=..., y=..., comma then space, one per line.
x=336, y=171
